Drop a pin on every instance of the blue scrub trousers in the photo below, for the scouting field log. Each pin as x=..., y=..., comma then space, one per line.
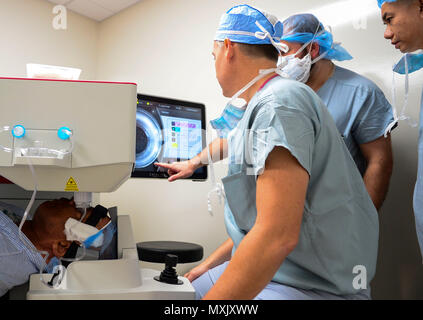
x=273, y=291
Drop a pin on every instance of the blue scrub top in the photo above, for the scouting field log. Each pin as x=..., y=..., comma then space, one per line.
x=418, y=190
x=359, y=108
x=340, y=228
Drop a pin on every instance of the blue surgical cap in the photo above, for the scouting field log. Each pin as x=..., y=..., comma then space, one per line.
x=302, y=28
x=381, y=2
x=238, y=24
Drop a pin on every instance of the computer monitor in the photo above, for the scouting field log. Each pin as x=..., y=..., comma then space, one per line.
x=168, y=130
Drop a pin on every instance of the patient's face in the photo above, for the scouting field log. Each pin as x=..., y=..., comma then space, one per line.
x=49, y=225
x=52, y=216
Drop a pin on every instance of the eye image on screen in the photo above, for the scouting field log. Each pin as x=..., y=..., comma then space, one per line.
x=167, y=130
x=149, y=139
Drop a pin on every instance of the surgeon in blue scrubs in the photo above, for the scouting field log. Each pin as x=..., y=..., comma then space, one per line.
x=299, y=218
x=359, y=108
x=404, y=28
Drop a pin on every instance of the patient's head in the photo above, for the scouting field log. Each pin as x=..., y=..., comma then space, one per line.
x=46, y=230
x=51, y=216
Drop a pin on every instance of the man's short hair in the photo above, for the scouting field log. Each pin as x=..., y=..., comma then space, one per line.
x=267, y=51
x=260, y=51
x=407, y=2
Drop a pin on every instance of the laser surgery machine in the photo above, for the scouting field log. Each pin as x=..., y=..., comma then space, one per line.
x=80, y=137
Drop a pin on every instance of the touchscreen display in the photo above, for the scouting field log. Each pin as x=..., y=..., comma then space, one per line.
x=168, y=131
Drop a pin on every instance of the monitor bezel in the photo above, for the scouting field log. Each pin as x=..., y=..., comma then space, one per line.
x=199, y=175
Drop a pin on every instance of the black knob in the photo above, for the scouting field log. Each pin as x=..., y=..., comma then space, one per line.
x=171, y=260
x=169, y=274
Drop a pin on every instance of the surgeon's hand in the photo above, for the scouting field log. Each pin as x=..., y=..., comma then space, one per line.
x=179, y=170
x=197, y=272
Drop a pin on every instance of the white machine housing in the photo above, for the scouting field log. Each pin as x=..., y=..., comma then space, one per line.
x=101, y=117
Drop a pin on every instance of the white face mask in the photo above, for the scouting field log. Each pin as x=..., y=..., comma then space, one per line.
x=88, y=235
x=296, y=68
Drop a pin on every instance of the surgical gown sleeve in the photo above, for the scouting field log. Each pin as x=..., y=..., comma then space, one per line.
x=373, y=118
x=281, y=126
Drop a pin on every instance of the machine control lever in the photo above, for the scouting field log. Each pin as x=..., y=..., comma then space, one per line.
x=169, y=274
x=170, y=253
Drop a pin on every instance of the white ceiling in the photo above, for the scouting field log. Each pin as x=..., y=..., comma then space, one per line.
x=96, y=9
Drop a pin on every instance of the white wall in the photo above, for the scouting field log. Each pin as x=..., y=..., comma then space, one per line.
x=27, y=36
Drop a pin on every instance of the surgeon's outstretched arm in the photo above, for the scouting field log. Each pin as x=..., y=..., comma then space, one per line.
x=219, y=256
x=280, y=198
x=185, y=169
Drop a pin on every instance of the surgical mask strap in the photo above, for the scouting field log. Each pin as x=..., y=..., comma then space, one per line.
x=281, y=47
x=407, y=88
x=394, y=109
x=402, y=116
x=320, y=57
x=262, y=74
x=217, y=186
x=316, y=34
x=282, y=65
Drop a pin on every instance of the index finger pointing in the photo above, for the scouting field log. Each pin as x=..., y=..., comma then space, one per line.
x=163, y=165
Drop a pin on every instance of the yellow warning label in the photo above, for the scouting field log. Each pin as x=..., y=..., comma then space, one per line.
x=71, y=185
